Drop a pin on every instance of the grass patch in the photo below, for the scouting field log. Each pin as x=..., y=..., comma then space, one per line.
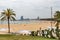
x=20, y=37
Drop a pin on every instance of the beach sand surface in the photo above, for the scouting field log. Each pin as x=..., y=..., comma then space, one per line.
x=30, y=26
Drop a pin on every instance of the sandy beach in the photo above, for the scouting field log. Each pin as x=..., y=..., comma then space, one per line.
x=29, y=26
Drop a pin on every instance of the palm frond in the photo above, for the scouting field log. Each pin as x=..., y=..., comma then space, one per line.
x=2, y=14
x=13, y=14
x=57, y=15
x=3, y=18
x=13, y=18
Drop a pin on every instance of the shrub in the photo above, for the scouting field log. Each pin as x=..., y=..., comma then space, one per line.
x=32, y=33
x=43, y=33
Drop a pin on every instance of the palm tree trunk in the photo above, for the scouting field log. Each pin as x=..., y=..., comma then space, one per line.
x=8, y=26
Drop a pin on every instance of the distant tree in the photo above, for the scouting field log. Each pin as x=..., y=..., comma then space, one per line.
x=8, y=15
x=57, y=18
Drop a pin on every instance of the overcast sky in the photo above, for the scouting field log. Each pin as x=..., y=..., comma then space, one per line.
x=31, y=8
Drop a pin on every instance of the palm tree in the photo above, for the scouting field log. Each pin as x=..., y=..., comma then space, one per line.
x=8, y=15
x=57, y=19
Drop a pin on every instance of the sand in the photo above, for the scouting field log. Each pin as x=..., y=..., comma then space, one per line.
x=30, y=26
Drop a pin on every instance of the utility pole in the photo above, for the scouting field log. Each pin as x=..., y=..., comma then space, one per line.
x=51, y=25
x=51, y=17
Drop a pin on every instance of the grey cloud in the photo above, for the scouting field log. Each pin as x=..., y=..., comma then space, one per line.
x=32, y=8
